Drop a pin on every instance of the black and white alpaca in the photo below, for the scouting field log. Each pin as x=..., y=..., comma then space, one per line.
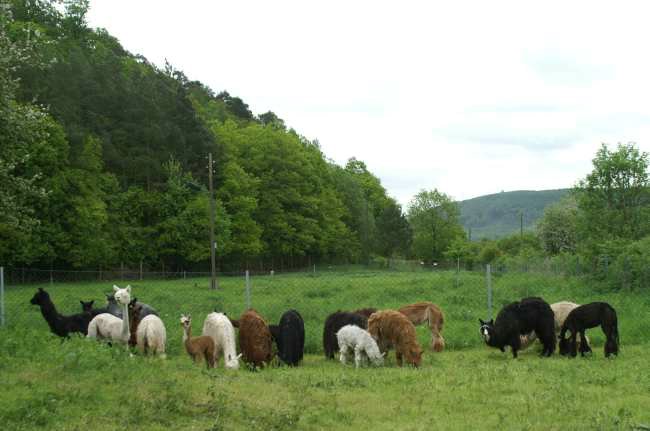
x=518, y=318
x=59, y=324
x=585, y=317
x=333, y=323
x=289, y=336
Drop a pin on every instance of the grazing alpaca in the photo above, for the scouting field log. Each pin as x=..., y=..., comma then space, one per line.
x=431, y=314
x=107, y=326
x=197, y=347
x=365, y=312
x=560, y=311
x=218, y=327
x=585, y=317
x=59, y=324
x=289, y=336
x=518, y=318
x=353, y=339
x=333, y=323
x=255, y=339
x=392, y=329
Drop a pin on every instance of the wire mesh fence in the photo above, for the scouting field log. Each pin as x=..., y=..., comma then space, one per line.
x=315, y=293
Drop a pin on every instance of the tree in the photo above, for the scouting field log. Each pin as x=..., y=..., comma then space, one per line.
x=557, y=228
x=613, y=199
x=434, y=218
x=394, y=234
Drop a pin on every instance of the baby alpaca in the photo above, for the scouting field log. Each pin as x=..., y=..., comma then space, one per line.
x=351, y=338
x=197, y=347
x=392, y=329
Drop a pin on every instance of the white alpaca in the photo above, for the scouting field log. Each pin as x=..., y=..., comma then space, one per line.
x=219, y=328
x=151, y=336
x=351, y=338
x=561, y=310
x=107, y=326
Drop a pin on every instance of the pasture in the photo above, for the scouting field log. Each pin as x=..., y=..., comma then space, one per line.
x=75, y=384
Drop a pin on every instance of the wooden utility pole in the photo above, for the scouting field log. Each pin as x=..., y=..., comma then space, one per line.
x=213, y=245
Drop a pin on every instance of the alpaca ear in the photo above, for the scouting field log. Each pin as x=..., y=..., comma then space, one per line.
x=40, y=289
x=115, y=288
x=481, y=321
x=239, y=356
x=128, y=288
x=383, y=355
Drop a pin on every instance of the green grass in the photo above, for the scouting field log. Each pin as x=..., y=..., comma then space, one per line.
x=81, y=384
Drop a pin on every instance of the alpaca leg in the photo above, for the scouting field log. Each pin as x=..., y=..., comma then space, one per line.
x=573, y=349
x=398, y=357
x=515, y=345
x=358, y=358
x=344, y=355
x=611, y=345
x=584, y=345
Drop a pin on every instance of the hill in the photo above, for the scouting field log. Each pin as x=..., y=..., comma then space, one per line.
x=498, y=215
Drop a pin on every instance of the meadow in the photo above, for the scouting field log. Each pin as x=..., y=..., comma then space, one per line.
x=49, y=384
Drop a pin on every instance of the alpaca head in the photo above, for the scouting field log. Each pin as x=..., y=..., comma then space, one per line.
x=40, y=297
x=233, y=363
x=487, y=330
x=87, y=307
x=378, y=360
x=565, y=349
x=186, y=321
x=122, y=296
x=415, y=357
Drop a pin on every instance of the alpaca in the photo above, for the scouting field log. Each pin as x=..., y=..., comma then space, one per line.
x=255, y=339
x=560, y=311
x=351, y=339
x=366, y=312
x=218, y=327
x=150, y=335
x=585, y=317
x=518, y=318
x=289, y=336
x=87, y=307
x=333, y=323
x=59, y=324
x=197, y=347
x=393, y=329
x=116, y=309
x=431, y=314
x=107, y=326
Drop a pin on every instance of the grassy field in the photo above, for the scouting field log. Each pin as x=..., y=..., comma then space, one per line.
x=79, y=384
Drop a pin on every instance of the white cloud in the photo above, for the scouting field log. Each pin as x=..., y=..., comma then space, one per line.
x=467, y=97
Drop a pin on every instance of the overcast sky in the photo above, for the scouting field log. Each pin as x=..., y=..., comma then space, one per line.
x=470, y=98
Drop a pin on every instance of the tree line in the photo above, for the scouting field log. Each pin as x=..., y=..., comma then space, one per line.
x=103, y=160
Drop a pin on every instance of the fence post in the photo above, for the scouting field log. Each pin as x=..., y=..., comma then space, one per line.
x=248, y=290
x=314, y=269
x=488, y=271
x=2, y=296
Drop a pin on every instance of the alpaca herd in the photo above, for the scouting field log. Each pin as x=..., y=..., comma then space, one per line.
x=363, y=336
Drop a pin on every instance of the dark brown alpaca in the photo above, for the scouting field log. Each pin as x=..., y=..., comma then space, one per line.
x=392, y=329
x=366, y=312
x=255, y=339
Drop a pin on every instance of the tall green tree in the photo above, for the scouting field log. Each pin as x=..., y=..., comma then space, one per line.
x=557, y=229
x=434, y=218
x=394, y=236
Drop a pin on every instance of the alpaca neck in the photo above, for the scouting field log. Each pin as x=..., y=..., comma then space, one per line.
x=126, y=333
x=49, y=312
x=187, y=335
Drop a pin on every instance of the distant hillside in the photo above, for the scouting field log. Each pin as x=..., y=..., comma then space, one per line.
x=497, y=215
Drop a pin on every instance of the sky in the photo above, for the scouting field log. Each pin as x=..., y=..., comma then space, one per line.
x=470, y=98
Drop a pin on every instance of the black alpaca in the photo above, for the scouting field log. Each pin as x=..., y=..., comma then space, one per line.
x=87, y=307
x=585, y=317
x=333, y=323
x=59, y=324
x=289, y=336
x=519, y=318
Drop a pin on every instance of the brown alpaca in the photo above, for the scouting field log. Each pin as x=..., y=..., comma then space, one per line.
x=197, y=346
x=365, y=311
x=392, y=329
x=255, y=339
x=431, y=314
x=134, y=321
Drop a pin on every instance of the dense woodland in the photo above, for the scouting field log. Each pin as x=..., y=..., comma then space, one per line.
x=103, y=161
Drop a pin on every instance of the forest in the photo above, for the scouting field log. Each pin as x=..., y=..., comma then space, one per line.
x=103, y=162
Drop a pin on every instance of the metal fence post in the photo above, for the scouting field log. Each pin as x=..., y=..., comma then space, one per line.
x=248, y=290
x=2, y=296
x=488, y=274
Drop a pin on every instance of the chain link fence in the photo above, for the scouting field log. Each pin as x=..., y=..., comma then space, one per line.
x=316, y=292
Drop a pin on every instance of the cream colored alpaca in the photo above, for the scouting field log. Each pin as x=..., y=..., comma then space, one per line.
x=108, y=327
x=219, y=328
